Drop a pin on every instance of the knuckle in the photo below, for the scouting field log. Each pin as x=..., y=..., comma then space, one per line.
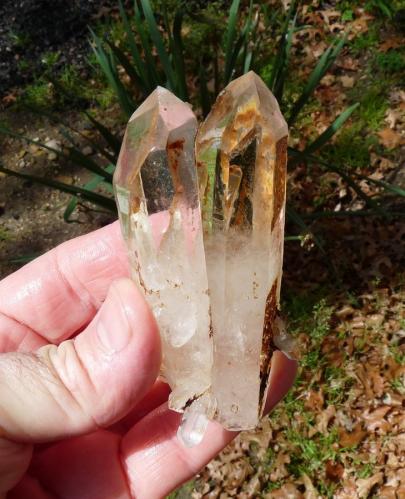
x=74, y=389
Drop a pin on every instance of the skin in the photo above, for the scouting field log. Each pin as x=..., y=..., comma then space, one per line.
x=82, y=412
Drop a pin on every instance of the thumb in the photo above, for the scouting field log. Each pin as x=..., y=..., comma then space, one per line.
x=88, y=382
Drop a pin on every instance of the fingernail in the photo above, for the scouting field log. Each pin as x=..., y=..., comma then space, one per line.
x=113, y=328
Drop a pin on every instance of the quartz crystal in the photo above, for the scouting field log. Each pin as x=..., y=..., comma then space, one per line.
x=241, y=153
x=157, y=196
x=211, y=274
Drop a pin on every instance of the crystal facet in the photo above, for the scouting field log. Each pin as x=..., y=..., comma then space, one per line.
x=212, y=275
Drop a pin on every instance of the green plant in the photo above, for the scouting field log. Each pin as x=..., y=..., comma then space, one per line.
x=23, y=65
x=4, y=234
x=155, y=59
x=312, y=453
x=49, y=59
x=398, y=385
x=384, y=7
x=392, y=61
x=366, y=470
x=150, y=50
x=19, y=39
x=37, y=94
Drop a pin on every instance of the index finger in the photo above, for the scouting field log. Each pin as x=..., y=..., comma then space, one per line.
x=57, y=294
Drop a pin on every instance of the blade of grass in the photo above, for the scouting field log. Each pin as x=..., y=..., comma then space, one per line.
x=73, y=154
x=149, y=59
x=248, y=28
x=93, y=197
x=302, y=156
x=297, y=219
x=247, y=61
x=331, y=130
x=324, y=63
x=388, y=187
x=178, y=54
x=109, y=137
x=230, y=36
x=23, y=259
x=281, y=52
x=358, y=213
x=107, y=64
x=146, y=84
x=126, y=64
x=279, y=83
x=204, y=93
x=78, y=157
x=68, y=126
x=158, y=42
x=94, y=182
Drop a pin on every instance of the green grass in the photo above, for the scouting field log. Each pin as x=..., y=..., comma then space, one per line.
x=366, y=470
x=49, y=59
x=397, y=384
x=19, y=39
x=351, y=148
x=184, y=492
x=398, y=354
x=392, y=62
x=364, y=41
x=37, y=94
x=105, y=97
x=311, y=453
x=4, y=234
x=23, y=65
x=337, y=384
x=373, y=107
x=322, y=314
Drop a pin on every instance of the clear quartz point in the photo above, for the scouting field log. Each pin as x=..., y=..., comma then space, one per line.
x=195, y=421
x=157, y=195
x=211, y=273
x=241, y=153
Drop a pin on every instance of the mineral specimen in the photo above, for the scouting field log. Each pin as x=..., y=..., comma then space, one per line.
x=241, y=152
x=212, y=275
x=157, y=196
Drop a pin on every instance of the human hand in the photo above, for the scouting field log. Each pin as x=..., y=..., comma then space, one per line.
x=82, y=413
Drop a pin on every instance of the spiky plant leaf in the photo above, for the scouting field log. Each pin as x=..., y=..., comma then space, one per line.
x=324, y=63
x=88, y=195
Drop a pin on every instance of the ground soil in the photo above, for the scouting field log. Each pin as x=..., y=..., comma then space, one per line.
x=31, y=28
x=31, y=215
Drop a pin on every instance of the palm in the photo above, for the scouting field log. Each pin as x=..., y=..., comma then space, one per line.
x=97, y=417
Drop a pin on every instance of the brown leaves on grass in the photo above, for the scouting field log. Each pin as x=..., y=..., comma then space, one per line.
x=366, y=456
x=334, y=471
x=390, y=138
x=352, y=438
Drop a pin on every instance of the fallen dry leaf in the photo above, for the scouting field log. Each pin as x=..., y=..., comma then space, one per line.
x=351, y=438
x=314, y=400
x=364, y=485
x=360, y=25
x=375, y=420
x=280, y=470
x=391, y=43
x=392, y=116
x=347, y=81
x=9, y=99
x=310, y=490
x=287, y=491
x=390, y=138
x=334, y=471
